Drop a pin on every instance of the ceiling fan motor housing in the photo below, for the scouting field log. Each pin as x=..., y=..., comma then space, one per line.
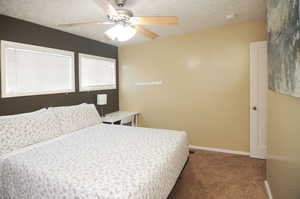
x=123, y=16
x=125, y=12
x=120, y=3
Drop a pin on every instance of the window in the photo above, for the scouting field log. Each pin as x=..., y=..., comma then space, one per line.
x=96, y=73
x=33, y=70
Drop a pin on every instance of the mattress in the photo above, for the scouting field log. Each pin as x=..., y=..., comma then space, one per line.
x=99, y=162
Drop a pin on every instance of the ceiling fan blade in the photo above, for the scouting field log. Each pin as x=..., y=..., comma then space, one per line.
x=105, y=38
x=163, y=21
x=85, y=23
x=107, y=7
x=145, y=32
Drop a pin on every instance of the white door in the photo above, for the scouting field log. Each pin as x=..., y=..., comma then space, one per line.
x=258, y=99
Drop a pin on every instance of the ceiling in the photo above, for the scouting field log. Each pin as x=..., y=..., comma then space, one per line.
x=194, y=15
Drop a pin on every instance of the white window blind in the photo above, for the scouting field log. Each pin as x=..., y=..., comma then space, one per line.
x=96, y=73
x=33, y=70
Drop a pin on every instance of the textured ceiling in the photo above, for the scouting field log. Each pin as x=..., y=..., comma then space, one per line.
x=194, y=15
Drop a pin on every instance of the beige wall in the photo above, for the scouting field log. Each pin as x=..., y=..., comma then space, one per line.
x=205, y=88
x=283, y=166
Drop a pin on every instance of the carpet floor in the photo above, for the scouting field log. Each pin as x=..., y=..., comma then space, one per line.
x=213, y=175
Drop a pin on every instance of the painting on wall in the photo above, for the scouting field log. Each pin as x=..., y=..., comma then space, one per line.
x=284, y=46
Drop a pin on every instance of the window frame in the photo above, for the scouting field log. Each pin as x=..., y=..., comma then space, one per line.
x=96, y=88
x=7, y=44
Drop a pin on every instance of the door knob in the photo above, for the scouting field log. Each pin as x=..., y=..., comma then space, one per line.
x=254, y=108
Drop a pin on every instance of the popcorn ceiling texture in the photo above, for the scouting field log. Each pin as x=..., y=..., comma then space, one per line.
x=194, y=15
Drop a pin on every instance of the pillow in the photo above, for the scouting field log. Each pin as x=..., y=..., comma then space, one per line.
x=76, y=117
x=18, y=131
x=22, y=114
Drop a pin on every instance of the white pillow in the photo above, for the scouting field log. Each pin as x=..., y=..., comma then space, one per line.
x=18, y=131
x=76, y=117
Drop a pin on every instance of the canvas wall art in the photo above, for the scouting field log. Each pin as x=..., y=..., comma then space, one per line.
x=284, y=46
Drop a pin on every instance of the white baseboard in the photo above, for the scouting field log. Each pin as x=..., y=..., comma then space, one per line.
x=268, y=190
x=218, y=150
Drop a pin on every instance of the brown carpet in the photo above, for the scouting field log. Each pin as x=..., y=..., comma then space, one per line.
x=212, y=175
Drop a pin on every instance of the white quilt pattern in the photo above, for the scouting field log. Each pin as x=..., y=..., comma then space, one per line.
x=99, y=162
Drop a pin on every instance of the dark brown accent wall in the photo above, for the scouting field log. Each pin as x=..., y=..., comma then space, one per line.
x=16, y=30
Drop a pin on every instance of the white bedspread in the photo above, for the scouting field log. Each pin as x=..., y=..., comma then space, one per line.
x=100, y=162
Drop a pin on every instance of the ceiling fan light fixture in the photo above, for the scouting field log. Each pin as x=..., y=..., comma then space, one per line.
x=126, y=24
x=120, y=32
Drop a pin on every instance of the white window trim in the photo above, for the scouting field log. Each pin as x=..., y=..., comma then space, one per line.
x=94, y=88
x=7, y=44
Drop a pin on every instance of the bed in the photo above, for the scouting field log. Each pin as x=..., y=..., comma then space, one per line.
x=99, y=161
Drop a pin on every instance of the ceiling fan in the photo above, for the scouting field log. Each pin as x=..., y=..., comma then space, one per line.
x=126, y=24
